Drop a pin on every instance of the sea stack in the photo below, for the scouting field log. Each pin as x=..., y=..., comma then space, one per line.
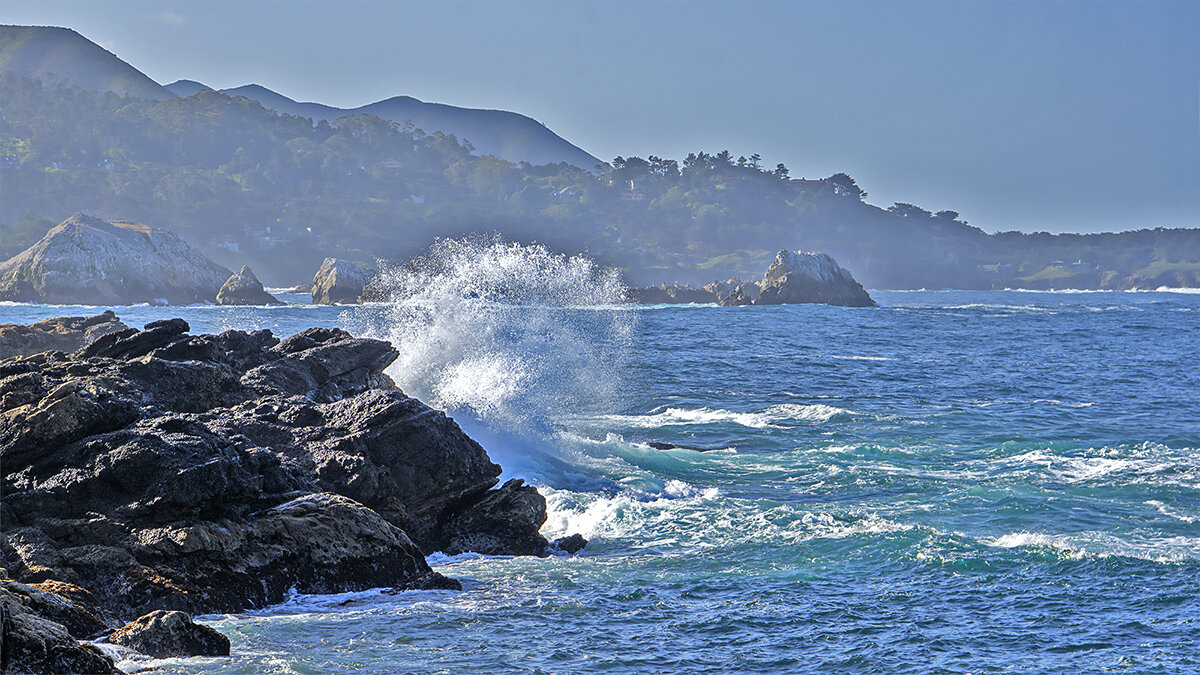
x=243, y=288
x=799, y=277
x=85, y=260
x=338, y=282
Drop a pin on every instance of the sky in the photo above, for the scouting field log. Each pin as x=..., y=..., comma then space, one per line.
x=1064, y=116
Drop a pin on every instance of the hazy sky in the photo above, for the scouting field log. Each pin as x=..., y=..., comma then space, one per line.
x=1058, y=116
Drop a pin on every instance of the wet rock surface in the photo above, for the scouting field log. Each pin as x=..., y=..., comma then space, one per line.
x=164, y=634
x=33, y=644
x=61, y=334
x=157, y=470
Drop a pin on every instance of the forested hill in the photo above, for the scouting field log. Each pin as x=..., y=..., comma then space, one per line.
x=61, y=55
x=251, y=185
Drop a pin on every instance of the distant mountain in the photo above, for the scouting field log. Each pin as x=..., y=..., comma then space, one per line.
x=492, y=132
x=50, y=54
x=185, y=88
x=60, y=54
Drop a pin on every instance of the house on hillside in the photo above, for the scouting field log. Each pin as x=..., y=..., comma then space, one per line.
x=806, y=184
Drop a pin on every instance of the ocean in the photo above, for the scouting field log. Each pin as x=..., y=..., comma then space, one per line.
x=951, y=482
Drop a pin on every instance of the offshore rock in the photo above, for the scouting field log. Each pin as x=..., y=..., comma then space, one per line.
x=243, y=288
x=798, y=277
x=164, y=634
x=568, y=545
x=338, y=282
x=734, y=291
x=214, y=473
x=85, y=260
x=668, y=294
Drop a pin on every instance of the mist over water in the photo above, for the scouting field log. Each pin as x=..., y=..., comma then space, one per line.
x=509, y=339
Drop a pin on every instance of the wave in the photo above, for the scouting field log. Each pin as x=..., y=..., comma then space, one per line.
x=1149, y=464
x=1102, y=545
x=768, y=418
x=507, y=337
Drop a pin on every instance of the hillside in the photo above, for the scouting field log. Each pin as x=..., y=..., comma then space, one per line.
x=54, y=54
x=60, y=54
x=514, y=137
x=250, y=185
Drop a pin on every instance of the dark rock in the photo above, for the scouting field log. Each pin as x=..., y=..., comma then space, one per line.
x=569, y=545
x=130, y=343
x=65, y=334
x=243, y=288
x=338, y=282
x=502, y=522
x=797, y=277
x=65, y=604
x=85, y=260
x=163, y=634
x=208, y=473
x=32, y=644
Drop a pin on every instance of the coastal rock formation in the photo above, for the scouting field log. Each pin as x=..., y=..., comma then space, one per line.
x=164, y=634
x=338, y=282
x=213, y=473
x=243, y=288
x=671, y=294
x=85, y=260
x=734, y=292
x=32, y=643
x=798, y=277
x=64, y=334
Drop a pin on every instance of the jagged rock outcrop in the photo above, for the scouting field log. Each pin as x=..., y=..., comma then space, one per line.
x=65, y=334
x=671, y=294
x=243, y=288
x=33, y=644
x=164, y=634
x=734, y=292
x=338, y=282
x=85, y=260
x=160, y=470
x=798, y=277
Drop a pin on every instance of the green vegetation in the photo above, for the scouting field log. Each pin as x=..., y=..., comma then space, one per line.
x=249, y=185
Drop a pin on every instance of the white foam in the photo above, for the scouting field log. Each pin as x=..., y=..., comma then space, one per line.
x=512, y=335
x=767, y=418
x=1102, y=545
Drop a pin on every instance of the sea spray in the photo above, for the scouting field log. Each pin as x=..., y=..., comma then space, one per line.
x=508, y=338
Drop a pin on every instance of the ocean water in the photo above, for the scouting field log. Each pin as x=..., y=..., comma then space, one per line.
x=951, y=482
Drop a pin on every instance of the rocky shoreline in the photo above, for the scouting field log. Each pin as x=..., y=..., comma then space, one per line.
x=156, y=471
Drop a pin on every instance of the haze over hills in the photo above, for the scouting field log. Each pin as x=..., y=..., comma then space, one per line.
x=61, y=54
x=250, y=184
x=509, y=135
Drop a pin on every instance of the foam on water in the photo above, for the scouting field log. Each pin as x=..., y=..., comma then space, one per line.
x=506, y=337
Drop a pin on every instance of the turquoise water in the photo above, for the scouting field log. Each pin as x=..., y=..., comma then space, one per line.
x=951, y=482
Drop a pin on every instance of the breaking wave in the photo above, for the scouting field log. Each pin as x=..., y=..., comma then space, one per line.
x=506, y=337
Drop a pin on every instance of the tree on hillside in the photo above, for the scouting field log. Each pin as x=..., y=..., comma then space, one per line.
x=906, y=210
x=844, y=186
